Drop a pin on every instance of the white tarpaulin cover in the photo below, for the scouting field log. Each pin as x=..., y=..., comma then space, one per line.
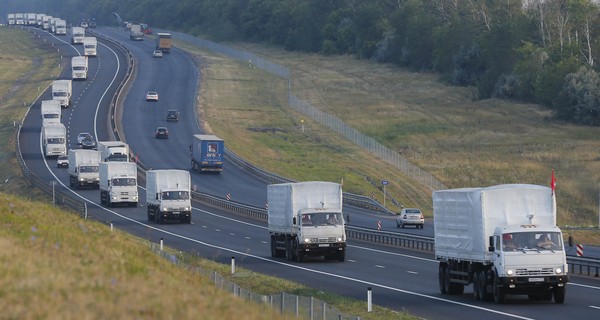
x=286, y=199
x=465, y=218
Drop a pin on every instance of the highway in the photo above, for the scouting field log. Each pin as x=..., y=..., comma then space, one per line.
x=401, y=279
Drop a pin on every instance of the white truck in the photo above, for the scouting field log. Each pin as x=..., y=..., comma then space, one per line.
x=39, y=20
x=31, y=19
x=83, y=168
x=502, y=239
x=136, y=32
x=77, y=35
x=168, y=195
x=50, y=111
x=54, y=139
x=79, y=67
x=90, y=46
x=118, y=184
x=62, y=91
x=20, y=19
x=113, y=151
x=46, y=22
x=11, y=19
x=305, y=219
x=61, y=27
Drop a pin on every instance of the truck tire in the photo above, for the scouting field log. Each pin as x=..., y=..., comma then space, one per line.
x=482, y=282
x=273, y=248
x=289, y=251
x=442, y=278
x=476, y=292
x=499, y=293
x=559, y=294
x=150, y=217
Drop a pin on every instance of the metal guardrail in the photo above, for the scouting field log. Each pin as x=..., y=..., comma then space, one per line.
x=585, y=266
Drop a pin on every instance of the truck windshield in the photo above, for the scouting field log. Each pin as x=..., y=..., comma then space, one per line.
x=124, y=182
x=78, y=68
x=322, y=219
x=55, y=140
x=175, y=195
x=59, y=94
x=88, y=169
x=89, y=46
x=117, y=157
x=50, y=116
x=533, y=240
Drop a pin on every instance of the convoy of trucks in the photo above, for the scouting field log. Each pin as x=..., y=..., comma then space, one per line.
x=494, y=238
x=118, y=184
x=62, y=90
x=51, y=111
x=90, y=46
x=79, y=67
x=208, y=152
x=168, y=195
x=113, y=151
x=77, y=35
x=54, y=139
x=83, y=168
x=136, y=32
x=305, y=219
x=163, y=42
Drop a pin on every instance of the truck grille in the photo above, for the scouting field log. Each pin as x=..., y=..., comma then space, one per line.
x=538, y=272
x=124, y=193
x=323, y=240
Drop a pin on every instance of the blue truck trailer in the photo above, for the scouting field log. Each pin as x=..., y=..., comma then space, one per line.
x=208, y=152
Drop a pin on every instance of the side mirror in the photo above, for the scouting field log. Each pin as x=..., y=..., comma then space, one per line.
x=294, y=220
x=491, y=247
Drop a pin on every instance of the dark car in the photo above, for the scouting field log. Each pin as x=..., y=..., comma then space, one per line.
x=88, y=142
x=161, y=133
x=172, y=115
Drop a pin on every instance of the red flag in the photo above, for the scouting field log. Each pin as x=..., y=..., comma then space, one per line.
x=553, y=182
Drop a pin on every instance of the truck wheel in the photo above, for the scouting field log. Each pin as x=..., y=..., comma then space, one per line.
x=273, y=248
x=499, y=293
x=482, y=282
x=150, y=217
x=442, y=278
x=559, y=294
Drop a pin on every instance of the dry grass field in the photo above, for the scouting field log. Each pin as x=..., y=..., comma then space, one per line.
x=461, y=141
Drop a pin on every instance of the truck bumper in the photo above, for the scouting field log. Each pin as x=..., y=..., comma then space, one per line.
x=319, y=249
x=528, y=285
x=175, y=215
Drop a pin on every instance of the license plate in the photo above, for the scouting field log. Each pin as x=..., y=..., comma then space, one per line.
x=536, y=279
x=176, y=212
x=323, y=245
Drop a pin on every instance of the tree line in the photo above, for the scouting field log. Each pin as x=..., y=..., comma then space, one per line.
x=538, y=51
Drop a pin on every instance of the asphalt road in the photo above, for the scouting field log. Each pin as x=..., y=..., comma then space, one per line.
x=401, y=279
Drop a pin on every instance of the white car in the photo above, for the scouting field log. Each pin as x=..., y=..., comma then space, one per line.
x=152, y=96
x=82, y=136
x=410, y=217
x=157, y=54
x=62, y=162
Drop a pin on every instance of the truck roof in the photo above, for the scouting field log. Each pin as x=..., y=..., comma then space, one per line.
x=207, y=137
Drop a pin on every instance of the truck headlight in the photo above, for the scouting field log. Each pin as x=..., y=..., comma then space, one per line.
x=558, y=270
x=306, y=240
x=340, y=239
x=134, y=197
x=510, y=272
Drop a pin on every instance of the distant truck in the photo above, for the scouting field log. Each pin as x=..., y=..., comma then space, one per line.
x=90, y=45
x=77, y=35
x=62, y=91
x=19, y=19
x=61, y=27
x=50, y=110
x=503, y=239
x=118, y=184
x=79, y=67
x=31, y=19
x=168, y=195
x=83, y=168
x=305, y=219
x=163, y=42
x=39, y=20
x=136, y=32
x=208, y=152
x=113, y=151
x=46, y=22
x=11, y=19
x=54, y=139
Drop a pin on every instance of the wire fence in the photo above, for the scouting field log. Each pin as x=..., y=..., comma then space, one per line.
x=334, y=123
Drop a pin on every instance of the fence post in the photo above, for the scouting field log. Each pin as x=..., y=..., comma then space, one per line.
x=369, y=300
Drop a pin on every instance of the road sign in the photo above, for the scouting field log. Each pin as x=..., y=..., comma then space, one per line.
x=384, y=182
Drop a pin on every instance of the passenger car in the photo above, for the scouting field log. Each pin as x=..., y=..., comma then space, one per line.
x=161, y=133
x=62, y=162
x=82, y=136
x=88, y=142
x=157, y=54
x=410, y=217
x=172, y=115
x=152, y=95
